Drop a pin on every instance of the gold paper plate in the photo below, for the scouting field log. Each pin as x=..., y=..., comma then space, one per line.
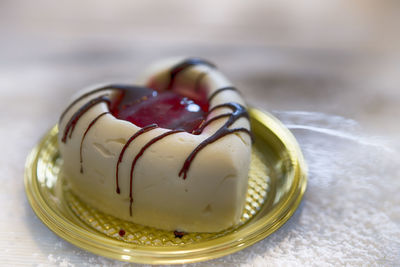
x=277, y=182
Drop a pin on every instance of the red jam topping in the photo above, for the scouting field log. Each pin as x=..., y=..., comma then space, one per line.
x=167, y=109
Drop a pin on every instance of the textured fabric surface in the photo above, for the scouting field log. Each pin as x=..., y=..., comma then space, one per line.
x=349, y=214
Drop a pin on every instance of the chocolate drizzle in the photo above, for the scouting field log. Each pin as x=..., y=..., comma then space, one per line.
x=133, y=137
x=84, y=135
x=139, y=93
x=147, y=145
x=82, y=97
x=238, y=111
x=69, y=128
x=183, y=66
x=120, y=87
x=216, y=92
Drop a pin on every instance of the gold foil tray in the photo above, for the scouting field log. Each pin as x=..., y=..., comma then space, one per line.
x=277, y=181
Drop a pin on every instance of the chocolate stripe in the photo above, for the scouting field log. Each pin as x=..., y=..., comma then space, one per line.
x=133, y=137
x=182, y=66
x=103, y=88
x=84, y=135
x=147, y=145
x=216, y=92
x=204, y=125
x=79, y=113
x=238, y=111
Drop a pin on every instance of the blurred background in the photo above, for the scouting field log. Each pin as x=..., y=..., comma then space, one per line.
x=336, y=57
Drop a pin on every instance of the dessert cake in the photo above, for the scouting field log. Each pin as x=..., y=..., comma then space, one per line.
x=172, y=154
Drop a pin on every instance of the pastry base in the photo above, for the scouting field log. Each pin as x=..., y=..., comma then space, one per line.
x=277, y=181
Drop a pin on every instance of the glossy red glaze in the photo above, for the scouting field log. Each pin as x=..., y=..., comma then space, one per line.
x=167, y=109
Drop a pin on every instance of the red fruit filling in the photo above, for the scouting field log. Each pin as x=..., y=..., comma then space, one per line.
x=168, y=109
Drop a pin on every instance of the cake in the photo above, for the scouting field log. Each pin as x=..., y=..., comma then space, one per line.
x=173, y=153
